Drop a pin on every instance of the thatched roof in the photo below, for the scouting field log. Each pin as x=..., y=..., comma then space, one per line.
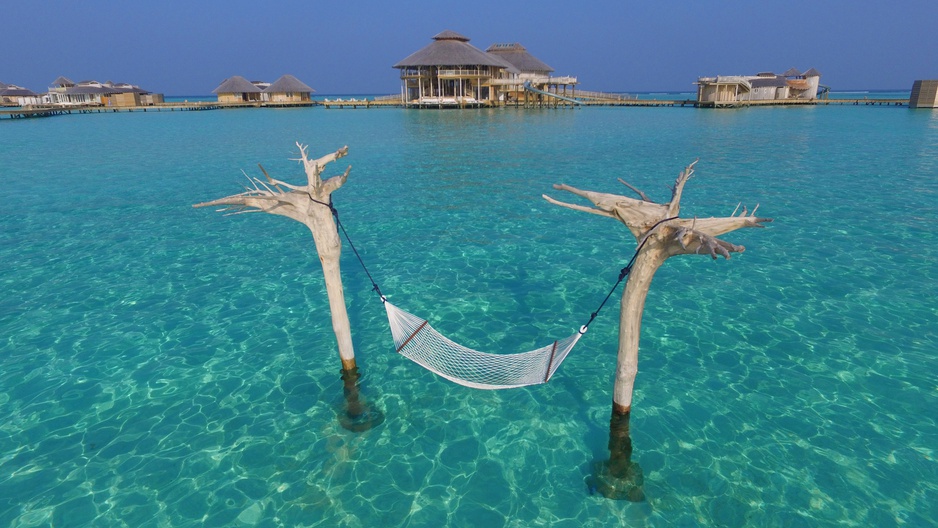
x=236, y=84
x=288, y=84
x=2, y=86
x=516, y=55
x=812, y=73
x=450, y=49
x=792, y=72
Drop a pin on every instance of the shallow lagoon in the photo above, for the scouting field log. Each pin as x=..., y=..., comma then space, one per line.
x=167, y=366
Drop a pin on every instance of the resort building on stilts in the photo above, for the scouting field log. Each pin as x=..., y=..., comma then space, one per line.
x=286, y=89
x=450, y=72
x=733, y=90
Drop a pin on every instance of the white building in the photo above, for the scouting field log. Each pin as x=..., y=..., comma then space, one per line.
x=11, y=94
x=735, y=89
x=65, y=92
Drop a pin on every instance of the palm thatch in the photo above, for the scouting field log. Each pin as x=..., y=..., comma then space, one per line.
x=519, y=57
x=288, y=84
x=450, y=49
x=236, y=84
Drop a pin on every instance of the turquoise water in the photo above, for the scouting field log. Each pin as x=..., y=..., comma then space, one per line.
x=168, y=366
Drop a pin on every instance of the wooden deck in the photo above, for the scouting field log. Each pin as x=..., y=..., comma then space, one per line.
x=361, y=103
x=807, y=102
x=53, y=110
x=48, y=111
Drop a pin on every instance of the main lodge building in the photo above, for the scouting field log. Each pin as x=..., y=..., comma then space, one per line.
x=451, y=72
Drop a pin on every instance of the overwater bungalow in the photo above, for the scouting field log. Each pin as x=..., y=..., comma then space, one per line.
x=288, y=89
x=237, y=89
x=13, y=95
x=66, y=92
x=528, y=70
x=450, y=72
x=766, y=86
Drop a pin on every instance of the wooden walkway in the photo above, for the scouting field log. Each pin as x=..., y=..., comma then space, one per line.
x=361, y=103
x=807, y=102
x=646, y=103
x=48, y=111
x=53, y=110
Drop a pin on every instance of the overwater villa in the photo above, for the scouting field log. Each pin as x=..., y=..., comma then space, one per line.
x=286, y=89
x=13, y=95
x=450, y=72
x=737, y=89
x=237, y=89
x=66, y=92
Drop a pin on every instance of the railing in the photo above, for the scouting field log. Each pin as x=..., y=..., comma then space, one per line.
x=464, y=73
x=392, y=97
x=585, y=94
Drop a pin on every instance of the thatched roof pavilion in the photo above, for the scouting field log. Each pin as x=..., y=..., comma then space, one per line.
x=450, y=72
x=288, y=89
x=237, y=89
x=450, y=49
x=516, y=55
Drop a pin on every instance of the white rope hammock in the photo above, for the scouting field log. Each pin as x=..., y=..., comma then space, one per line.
x=416, y=340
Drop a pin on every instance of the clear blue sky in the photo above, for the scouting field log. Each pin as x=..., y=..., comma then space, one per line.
x=188, y=48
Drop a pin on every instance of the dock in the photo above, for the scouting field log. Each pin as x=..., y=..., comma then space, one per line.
x=805, y=102
x=386, y=102
x=54, y=110
x=362, y=103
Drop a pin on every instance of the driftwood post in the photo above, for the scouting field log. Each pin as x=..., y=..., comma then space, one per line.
x=660, y=234
x=310, y=205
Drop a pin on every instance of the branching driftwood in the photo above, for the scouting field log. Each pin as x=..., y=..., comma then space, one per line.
x=677, y=236
x=309, y=205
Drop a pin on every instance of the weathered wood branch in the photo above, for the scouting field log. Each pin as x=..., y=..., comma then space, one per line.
x=674, y=206
x=634, y=189
x=307, y=204
x=661, y=234
x=575, y=207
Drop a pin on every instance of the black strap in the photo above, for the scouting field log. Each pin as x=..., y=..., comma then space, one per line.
x=624, y=272
x=335, y=213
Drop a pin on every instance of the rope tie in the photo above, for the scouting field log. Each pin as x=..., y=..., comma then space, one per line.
x=335, y=214
x=624, y=272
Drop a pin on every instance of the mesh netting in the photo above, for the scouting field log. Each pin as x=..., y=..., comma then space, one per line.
x=416, y=340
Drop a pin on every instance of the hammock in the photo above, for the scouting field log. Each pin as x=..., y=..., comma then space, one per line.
x=416, y=340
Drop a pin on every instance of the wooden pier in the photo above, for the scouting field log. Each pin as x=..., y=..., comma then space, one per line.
x=805, y=102
x=53, y=110
x=361, y=103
